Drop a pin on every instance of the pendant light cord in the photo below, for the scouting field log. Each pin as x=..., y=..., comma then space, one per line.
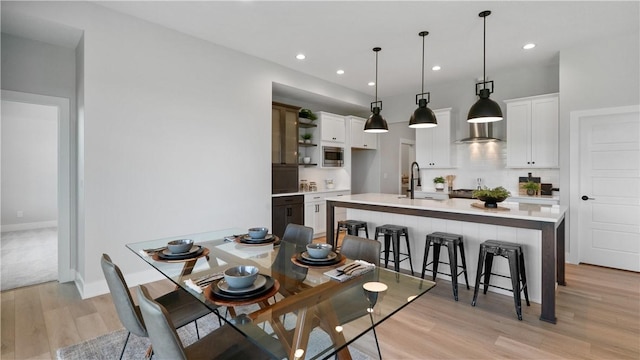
x=423, y=64
x=484, y=54
x=377, y=77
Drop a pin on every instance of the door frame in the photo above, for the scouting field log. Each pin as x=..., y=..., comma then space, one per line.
x=411, y=143
x=66, y=191
x=574, y=172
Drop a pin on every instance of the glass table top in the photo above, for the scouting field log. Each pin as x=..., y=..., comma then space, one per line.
x=328, y=314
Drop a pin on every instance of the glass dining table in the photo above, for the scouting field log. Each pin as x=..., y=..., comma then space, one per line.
x=311, y=313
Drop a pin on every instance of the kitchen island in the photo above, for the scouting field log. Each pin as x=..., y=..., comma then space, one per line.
x=540, y=228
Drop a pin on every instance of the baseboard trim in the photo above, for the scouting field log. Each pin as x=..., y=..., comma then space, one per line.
x=29, y=226
x=100, y=287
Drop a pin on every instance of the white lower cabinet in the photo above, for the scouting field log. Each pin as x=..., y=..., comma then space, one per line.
x=315, y=211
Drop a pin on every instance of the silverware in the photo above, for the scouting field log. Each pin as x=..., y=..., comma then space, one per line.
x=347, y=268
x=353, y=269
x=155, y=249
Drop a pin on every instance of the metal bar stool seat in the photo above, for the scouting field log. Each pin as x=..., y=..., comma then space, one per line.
x=514, y=254
x=453, y=242
x=394, y=232
x=353, y=227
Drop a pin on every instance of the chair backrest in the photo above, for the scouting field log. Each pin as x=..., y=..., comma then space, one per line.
x=164, y=338
x=128, y=312
x=359, y=248
x=299, y=235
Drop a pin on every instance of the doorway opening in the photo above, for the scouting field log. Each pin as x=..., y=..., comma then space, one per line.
x=407, y=156
x=36, y=190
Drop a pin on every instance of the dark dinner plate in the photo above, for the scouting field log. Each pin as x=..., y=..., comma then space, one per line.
x=249, y=240
x=196, y=250
x=243, y=296
x=315, y=262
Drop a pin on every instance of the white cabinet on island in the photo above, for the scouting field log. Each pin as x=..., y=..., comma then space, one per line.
x=538, y=228
x=532, y=132
x=434, y=148
x=315, y=210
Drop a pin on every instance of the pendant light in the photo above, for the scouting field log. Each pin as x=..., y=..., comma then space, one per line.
x=484, y=110
x=376, y=123
x=423, y=117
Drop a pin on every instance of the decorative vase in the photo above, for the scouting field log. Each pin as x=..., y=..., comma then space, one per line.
x=439, y=186
x=531, y=192
x=307, y=141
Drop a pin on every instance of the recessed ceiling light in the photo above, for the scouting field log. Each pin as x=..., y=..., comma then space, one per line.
x=529, y=46
x=436, y=68
x=371, y=83
x=340, y=72
x=300, y=57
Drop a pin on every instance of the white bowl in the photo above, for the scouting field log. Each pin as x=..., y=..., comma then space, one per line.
x=319, y=250
x=180, y=246
x=241, y=276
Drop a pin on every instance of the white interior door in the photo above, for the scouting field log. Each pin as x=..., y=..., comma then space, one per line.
x=609, y=228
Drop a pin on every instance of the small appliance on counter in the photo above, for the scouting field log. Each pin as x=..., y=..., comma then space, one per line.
x=329, y=183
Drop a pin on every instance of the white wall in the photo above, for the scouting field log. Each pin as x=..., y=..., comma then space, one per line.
x=604, y=73
x=174, y=132
x=29, y=164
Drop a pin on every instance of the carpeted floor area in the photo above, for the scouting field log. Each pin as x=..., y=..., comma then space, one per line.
x=110, y=345
x=28, y=257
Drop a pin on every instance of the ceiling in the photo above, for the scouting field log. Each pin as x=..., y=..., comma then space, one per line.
x=341, y=34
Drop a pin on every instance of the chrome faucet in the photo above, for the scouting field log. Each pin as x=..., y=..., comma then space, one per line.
x=412, y=189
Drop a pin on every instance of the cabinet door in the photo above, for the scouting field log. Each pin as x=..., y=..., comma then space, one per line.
x=370, y=140
x=333, y=128
x=441, y=141
x=544, y=132
x=290, y=136
x=321, y=217
x=518, y=134
x=424, y=147
x=310, y=215
x=284, y=134
x=357, y=133
x=275, y=136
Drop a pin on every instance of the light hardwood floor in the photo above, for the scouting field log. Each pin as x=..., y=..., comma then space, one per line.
x=598, y=318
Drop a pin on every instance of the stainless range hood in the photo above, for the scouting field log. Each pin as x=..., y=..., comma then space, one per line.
x=479, y=132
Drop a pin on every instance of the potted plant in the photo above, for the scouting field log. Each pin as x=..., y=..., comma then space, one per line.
x=531, y=187
x=306, y=137
x=439, y=183
x=491, y=197
x=307, y=114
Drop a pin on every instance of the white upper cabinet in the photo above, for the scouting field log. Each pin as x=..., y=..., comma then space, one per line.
x=359, y=138
x=532, y=132
x=434, y=148
x=332, y=127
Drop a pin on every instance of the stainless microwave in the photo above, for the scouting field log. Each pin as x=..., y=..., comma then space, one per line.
x=332, y=156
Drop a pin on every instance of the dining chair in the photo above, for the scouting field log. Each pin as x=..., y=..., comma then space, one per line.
x=181, y=307
x=224, y=342
x=359, y=248
x=289, y=274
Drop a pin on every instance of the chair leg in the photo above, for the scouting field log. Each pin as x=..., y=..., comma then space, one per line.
x=525, y=287
x=406, y=237
x=366, y=232
x=453, y=264
x=436, y=259
x=387, y=245
x=197, y=331
x=396, y=251
x=514, y=269
x=481, y=256
x=488, y=266
x=125, y=344
x=426, y=256
x=464, y=263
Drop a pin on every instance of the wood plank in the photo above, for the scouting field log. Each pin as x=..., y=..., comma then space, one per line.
x=61, y=328
x=31, y=333
x=7, y=326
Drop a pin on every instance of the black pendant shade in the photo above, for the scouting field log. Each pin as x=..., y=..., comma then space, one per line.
x=484, y=110
x=376, y=123
x=423, y=117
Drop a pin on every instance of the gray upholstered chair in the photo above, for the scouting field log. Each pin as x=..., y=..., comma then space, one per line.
x=358, y=248
x=289, y=274
x=182, y=307
x=224, y=342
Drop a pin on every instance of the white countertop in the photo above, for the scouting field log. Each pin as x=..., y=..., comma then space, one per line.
x=537, y=212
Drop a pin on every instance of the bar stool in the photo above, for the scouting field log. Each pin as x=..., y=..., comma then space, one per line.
x=452, y=242
x=393, y=232
x=353, y=227
x=514, y=254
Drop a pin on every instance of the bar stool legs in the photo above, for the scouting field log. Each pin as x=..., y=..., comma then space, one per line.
x=514, y=254
x=392, y=235
x=453, y=242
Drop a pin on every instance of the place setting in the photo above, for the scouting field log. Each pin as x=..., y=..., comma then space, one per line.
x=178, y=250
x=242, y=283
x=257, y=236
x=318, y=255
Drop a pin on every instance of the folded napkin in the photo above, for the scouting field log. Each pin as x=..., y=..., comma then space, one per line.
x=353, y=269
x=197, y=284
